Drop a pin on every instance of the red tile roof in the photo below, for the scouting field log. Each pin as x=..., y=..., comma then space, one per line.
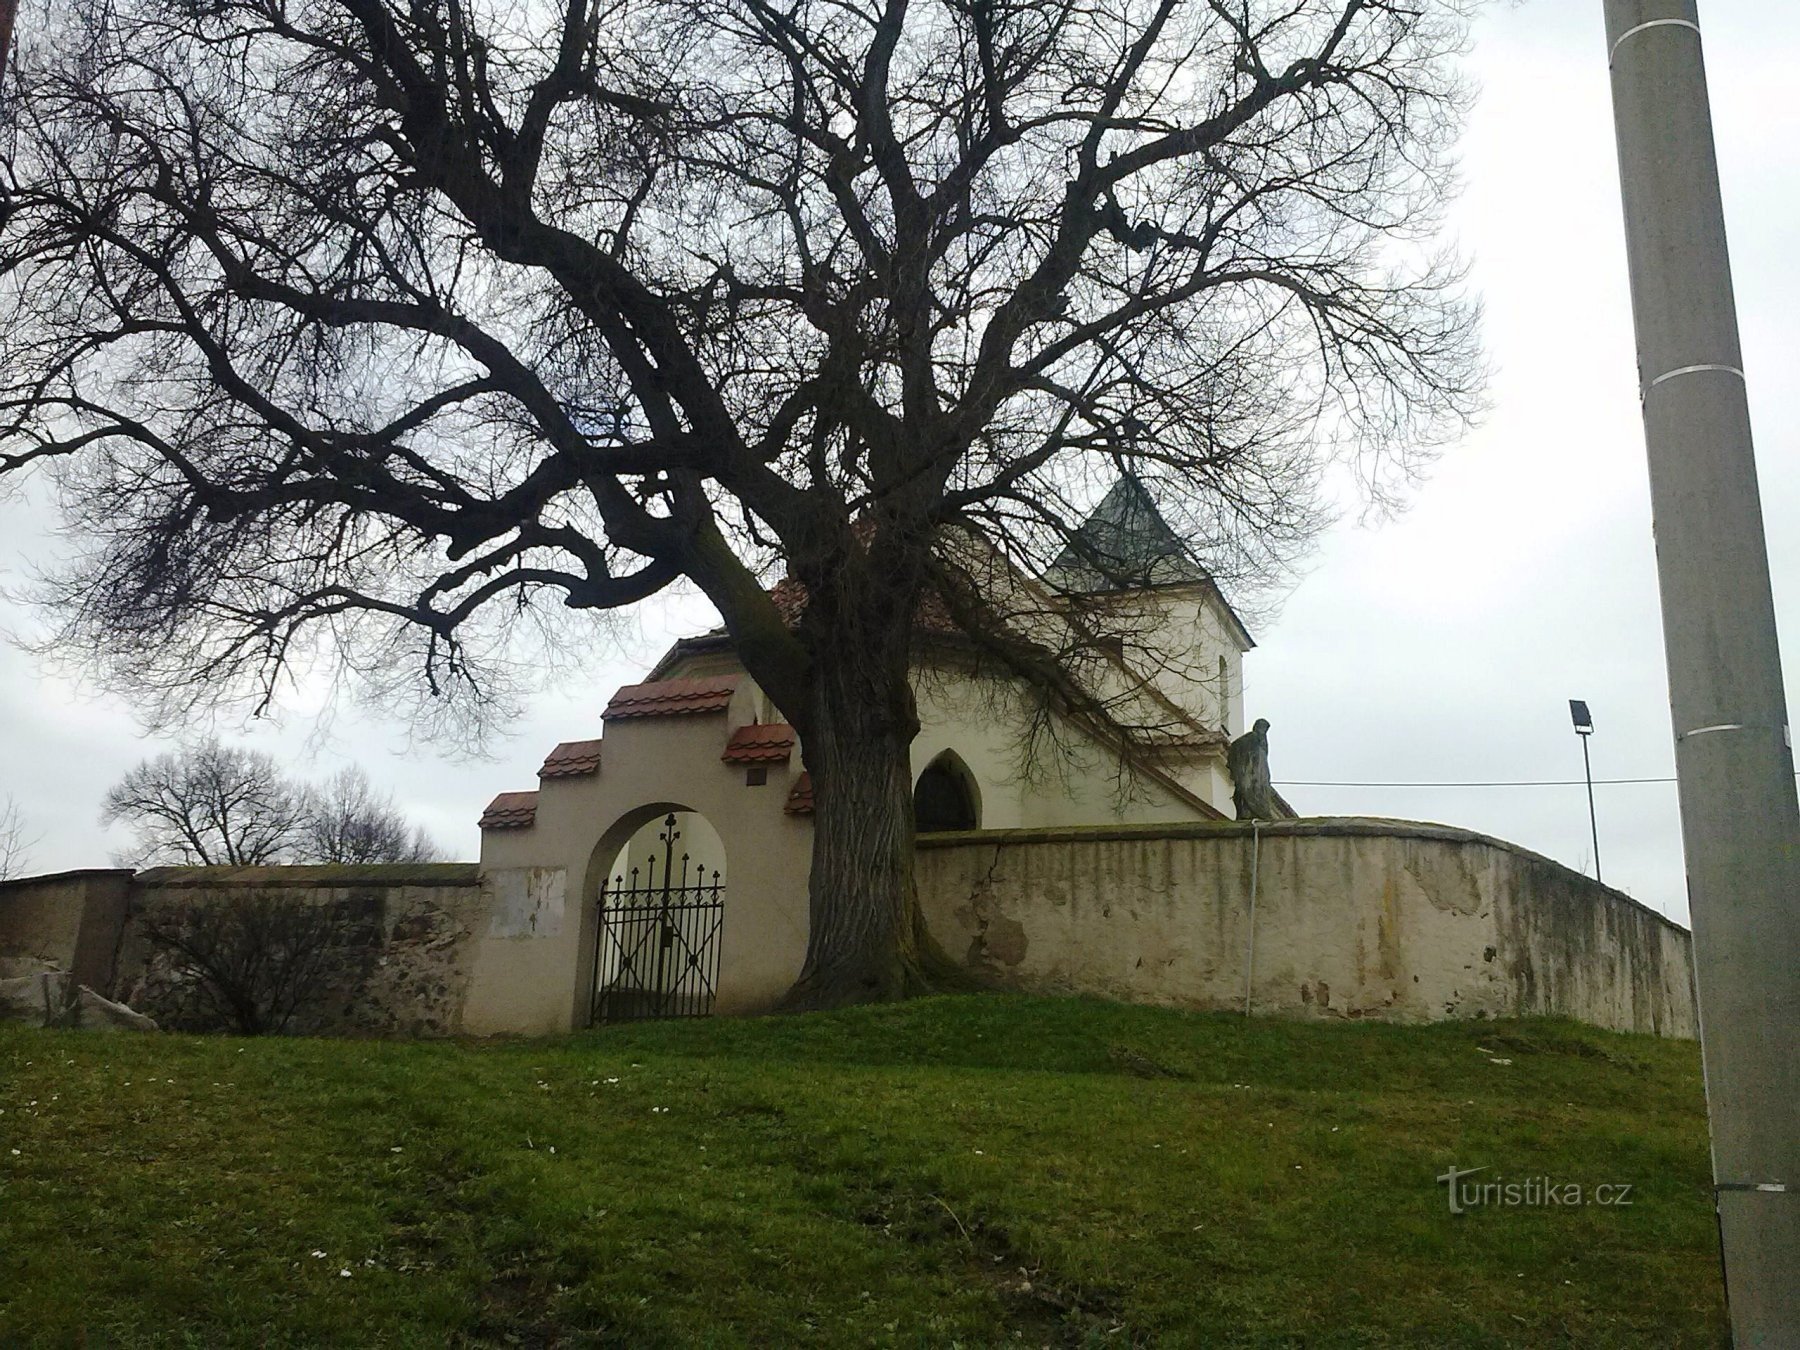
x=790, y=599
x=572, y=759
x=800, y=797
x=511, y=811
x=674, y=698
x=931, y=616
x=760, y=743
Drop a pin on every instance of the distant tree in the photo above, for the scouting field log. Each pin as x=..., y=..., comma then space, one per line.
x=380, y=333
x=209, y=805
x=214, y=804
x=15, y=846
x=348, y=822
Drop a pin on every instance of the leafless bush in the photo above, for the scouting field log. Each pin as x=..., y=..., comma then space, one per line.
x=247, y=963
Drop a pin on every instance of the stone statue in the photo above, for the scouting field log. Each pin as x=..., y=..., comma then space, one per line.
x=1248, y=761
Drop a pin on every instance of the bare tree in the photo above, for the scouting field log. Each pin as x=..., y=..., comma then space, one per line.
x=219, y=805
x=211, y=805
x=383, y=335
x=347, y=821
x=15, y=844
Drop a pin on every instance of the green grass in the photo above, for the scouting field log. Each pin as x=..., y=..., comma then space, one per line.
x=980, y=1170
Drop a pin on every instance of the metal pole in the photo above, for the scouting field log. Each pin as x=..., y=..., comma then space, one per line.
x=670, y=835
x=1593, y=820
x=1733, y=754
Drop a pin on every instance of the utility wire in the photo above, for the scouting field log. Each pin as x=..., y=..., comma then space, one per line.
x=1538, y=782
x=1534, y=782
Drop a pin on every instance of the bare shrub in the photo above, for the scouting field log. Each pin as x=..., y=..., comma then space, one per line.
x=247, y=963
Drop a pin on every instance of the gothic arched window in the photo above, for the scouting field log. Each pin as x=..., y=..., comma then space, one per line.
x=944, y=798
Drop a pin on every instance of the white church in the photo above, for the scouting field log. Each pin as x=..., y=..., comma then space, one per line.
x=660, y=866
x=700, y=742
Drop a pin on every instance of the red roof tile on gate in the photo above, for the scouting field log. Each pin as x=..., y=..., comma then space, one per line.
x=760, y=743
x=572, y=759
x=674, y=698
x=511, y=811
x=800, y=797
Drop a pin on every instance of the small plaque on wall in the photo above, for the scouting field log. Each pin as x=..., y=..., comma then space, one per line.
x=527, y=902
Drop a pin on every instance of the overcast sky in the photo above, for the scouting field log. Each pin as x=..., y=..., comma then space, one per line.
x=1440, y=647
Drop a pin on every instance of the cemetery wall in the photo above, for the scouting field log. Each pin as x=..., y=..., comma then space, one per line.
x=1352, y=918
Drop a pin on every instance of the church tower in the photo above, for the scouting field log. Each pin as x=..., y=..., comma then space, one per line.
x=1153, y=599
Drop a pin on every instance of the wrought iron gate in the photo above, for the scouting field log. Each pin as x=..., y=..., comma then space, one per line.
x=656, y=944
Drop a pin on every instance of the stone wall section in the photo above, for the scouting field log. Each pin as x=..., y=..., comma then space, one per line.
x=402, y=967
x=1353, y=918
x=72, y=920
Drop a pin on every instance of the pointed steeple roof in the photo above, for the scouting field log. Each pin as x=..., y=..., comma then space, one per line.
x=1125, y=544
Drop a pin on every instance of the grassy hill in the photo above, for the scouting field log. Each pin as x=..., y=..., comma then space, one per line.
x=979, y=1170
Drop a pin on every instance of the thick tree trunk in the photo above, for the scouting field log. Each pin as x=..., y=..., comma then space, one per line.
x=868, y=941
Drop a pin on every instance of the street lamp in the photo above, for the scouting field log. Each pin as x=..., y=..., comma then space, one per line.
x=1584, y=727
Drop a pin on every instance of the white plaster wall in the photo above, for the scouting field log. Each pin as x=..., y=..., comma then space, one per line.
x=1353, y=919
x=696, y=838
x=537, y=979
x=1077, y=783
x=1193, y=631
x=1173, y=640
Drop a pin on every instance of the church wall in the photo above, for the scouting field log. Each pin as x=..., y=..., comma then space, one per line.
x=394, y=946
x=1189, y=625
x=1194, y=635
x=1175, y=638
x=1354, y=918
x=1217, y=639
x=398, y=960
x=1080, y=787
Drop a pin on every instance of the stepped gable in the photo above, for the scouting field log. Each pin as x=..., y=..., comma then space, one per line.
x=673, y=698
x=800, y=797
x=511, y=811
x=572, y=759
x=760, y=743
